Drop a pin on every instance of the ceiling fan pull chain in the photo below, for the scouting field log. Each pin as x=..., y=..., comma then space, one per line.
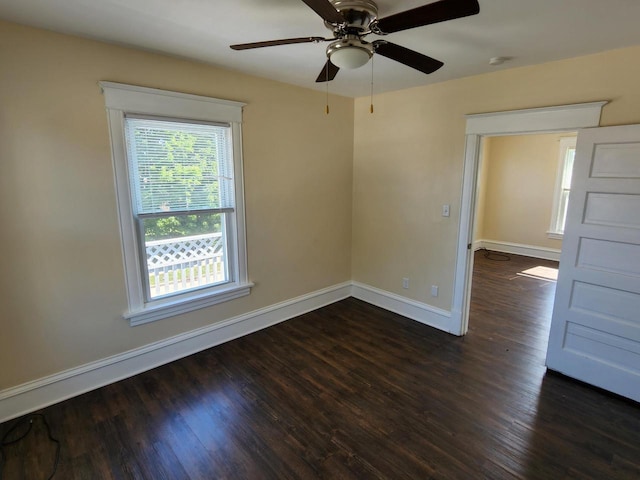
x=371, y=106
x=327, y=84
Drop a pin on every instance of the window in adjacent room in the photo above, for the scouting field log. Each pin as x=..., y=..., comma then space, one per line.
x=563, y=186
x=178, y=171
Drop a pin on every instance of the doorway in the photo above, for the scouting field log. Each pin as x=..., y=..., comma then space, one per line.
x=516, y=241
x=539, y=120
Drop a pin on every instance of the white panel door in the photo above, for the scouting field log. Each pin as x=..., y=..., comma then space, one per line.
x=595, y=329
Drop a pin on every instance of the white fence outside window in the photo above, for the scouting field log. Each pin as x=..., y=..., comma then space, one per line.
x=184, y=263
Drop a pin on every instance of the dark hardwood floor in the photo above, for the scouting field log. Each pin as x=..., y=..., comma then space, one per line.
x=353, y=391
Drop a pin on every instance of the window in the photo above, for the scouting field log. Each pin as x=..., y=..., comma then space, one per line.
x=563, y=186
x=178, y=169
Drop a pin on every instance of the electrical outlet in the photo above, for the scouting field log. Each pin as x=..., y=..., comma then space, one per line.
x=405, y=283
x=434, y=290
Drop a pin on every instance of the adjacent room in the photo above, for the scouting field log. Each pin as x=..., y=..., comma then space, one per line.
x=523, y=185
x=262, y=261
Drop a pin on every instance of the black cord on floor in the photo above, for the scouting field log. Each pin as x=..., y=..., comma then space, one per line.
x=29, y=418
x=495, y=256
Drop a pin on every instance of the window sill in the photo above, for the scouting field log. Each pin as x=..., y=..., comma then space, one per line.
x=176, y=306
x=555, y=235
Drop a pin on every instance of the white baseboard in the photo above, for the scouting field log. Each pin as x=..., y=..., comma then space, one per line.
x=31, y=396
x=518, y=249
x=37, y=394
x=420, y=312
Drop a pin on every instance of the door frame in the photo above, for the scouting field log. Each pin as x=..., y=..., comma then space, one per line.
x=513, y=122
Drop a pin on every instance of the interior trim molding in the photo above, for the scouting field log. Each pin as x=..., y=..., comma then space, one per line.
x=518, y=249
x=551, y=119
x=420, y=312
x=40, y=393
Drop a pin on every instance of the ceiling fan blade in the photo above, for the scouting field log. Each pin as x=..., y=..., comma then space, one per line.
x=284, y=41
x=328, y=73
x=408, y=57
x=427, y=14
x=327, y=11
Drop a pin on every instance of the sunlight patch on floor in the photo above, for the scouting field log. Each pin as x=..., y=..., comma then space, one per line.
x=542, y=273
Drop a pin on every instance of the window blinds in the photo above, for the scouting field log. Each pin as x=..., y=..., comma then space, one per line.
x=179, y=167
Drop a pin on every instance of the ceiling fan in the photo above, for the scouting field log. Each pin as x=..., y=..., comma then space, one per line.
x=352, y=20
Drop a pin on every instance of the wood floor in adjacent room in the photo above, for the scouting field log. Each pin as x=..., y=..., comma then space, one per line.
x=351, y=391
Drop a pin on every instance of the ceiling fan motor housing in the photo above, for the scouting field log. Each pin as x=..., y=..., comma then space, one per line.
x=358, y=14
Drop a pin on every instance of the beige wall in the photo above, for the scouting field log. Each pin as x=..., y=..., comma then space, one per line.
x=62, y=283
x=516, y=185
x=408, y=160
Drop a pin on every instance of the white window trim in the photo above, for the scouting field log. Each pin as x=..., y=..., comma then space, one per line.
x=121, y=99
x=565, y=144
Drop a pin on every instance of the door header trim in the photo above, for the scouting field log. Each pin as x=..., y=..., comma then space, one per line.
x=545, y=119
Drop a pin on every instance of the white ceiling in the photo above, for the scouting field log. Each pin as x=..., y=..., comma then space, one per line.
x=530, y=31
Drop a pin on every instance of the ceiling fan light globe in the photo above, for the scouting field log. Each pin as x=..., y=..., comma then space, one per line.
x=350, y=57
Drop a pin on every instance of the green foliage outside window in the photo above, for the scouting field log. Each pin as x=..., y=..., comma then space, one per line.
x=177, y=170
x=181, y=226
